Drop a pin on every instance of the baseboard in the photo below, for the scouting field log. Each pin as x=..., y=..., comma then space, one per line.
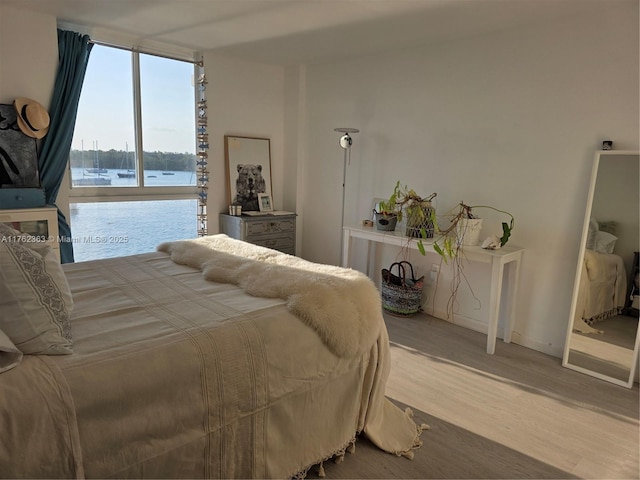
x=553, y=350
x=461, y=320
x=477, y=326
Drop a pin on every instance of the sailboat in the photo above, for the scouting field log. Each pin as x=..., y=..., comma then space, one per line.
x=96, y=164
x=165, y=171
x=95, y=170
x=130, y=173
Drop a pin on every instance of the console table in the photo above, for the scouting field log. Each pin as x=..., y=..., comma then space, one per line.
x=497, y=258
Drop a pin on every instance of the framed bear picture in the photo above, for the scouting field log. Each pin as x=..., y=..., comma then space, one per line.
x=248, y=170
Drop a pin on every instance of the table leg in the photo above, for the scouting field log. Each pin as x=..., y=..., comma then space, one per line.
x=346, y=247
x=514, y=275
x=497, y=270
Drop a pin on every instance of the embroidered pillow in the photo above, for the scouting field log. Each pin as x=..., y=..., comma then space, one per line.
x=35, y=300
x=10, y=356
x=9, y=234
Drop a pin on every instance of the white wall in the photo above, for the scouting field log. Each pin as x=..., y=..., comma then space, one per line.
x=511, y=119
x=245, y=99
x=28, y=60
x=28, y=55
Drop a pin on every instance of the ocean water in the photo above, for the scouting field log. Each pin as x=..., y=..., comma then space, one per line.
x=114, y=229
x=152, y=178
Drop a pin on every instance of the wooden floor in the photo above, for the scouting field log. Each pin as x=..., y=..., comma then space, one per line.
x=515, y=414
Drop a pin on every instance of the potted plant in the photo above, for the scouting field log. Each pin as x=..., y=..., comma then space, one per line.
x=388, y=212
x=464, y=229
x=449, y=242
x=419, y=211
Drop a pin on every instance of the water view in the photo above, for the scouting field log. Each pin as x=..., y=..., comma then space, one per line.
x=113, y=229
x=89, y=177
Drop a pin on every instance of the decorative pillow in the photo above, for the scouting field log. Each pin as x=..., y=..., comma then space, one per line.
x=11, y=235
x=591, y=235
x=35, y=300
x=10, y=356
x=609, y=227
x=605, y=242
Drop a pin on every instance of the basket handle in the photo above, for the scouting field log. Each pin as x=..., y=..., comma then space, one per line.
x=413, y=277
x=401, y=271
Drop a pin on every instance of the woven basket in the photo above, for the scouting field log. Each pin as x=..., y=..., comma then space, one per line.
x=401, y=295
x=419, y=218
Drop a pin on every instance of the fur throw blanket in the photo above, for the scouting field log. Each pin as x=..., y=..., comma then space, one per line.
x=342, y=305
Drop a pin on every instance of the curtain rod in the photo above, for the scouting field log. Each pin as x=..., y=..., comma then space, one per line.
x=137, y=50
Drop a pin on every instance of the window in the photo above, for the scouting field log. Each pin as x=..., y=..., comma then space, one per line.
x=133, y=149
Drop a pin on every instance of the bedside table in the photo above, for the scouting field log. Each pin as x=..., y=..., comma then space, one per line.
x=272, y=231
x=41, y=223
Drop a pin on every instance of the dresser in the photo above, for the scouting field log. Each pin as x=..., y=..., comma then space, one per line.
x=272, y=231
x=41, y=223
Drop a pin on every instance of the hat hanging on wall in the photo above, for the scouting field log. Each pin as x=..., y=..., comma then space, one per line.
x=32, y=117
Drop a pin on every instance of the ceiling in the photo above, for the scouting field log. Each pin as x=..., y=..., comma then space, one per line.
x=299, y=31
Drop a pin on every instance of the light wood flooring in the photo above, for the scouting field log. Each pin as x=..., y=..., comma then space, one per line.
x=515, y=414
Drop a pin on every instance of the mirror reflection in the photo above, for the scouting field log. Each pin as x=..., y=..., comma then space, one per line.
x=602, y=338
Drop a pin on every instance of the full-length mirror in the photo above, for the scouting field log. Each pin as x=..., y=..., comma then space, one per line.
x=602, y=336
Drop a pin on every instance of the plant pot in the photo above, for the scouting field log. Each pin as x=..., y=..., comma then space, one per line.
x=420, y=217
x=385, y=222
x=468, y=231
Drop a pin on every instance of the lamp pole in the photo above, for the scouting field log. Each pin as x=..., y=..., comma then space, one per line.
x=345, y=143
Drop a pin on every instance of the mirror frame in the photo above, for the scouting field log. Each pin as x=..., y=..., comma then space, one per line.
x=574, y=299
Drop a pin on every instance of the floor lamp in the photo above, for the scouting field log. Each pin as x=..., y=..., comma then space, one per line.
x=345, y=142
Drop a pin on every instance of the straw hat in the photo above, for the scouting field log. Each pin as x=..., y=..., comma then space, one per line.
x=32, y=117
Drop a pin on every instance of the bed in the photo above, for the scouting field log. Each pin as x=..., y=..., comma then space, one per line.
x=603, y=279
x=210, y=358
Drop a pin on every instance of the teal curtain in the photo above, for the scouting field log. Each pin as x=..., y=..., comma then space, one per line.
x=73, y=57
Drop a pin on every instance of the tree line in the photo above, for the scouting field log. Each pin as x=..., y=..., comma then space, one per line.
x=122, y=160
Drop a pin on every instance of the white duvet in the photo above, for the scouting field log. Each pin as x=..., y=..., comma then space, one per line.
x=602, y=289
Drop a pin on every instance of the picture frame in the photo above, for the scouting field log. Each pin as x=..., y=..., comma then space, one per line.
x=265, y=202
x=248, y=170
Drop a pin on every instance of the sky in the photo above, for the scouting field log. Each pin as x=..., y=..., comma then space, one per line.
x=105, y=113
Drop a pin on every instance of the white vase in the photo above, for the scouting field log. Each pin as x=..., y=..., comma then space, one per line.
x=468, y=231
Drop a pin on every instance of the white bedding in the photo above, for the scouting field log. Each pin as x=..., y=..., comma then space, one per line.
x=602, y=290
x=175, y=376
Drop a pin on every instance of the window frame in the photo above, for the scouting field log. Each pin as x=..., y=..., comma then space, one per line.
x=87, y=194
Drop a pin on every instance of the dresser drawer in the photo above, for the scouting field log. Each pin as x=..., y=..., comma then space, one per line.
x=258, y=228
x=21, y=198
x=281, y=242
x=271, y=231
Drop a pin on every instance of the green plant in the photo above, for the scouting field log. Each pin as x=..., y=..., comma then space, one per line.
x=390, y=206
x=404, y=199
x=448, y=243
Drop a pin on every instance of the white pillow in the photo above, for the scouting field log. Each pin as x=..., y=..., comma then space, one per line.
x=35, y=300
x=9, y=234
x=591, y=234
x=10, y=356
x=605, y=242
